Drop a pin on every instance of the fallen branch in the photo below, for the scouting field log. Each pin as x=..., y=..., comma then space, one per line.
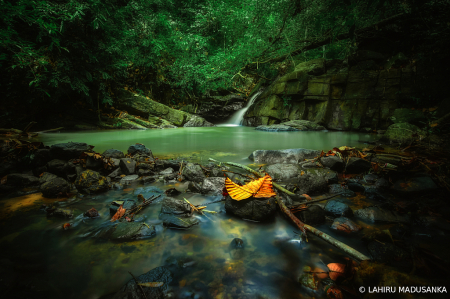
x=317, y=200
x=49, y=130
x=305, y=227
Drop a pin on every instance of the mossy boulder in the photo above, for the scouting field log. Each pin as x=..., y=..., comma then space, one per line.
x=90, y=181
x=403, y=133
x=405, y=115
x=54, y=186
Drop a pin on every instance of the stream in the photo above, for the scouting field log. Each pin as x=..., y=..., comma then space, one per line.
x=49, y=262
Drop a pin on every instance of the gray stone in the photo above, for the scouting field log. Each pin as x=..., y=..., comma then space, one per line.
x=282, y=172
x=139, y=149
x=291, y=156
x=70, y=150
x=126, y=204
x=337, y=208
x=116, y=173
x=90, y=181
x=344, y=224
x=176, y=206
x=167, y=171
x=127, y=165
x=125, y=231
x=22, y=180
x=196, y=121
x=213, y=185
x=275, y=128
x=128, y=179
x=337, y=188
x=178, y=221
x=54, y=186
x=113, y=153
x=333, y=163
x=47, y=176
x=314, y=214
x=376, y=214
x=193, y=172
x=315, y=181
x=57, y=166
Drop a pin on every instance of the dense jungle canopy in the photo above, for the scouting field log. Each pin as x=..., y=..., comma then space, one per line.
x=62, y=51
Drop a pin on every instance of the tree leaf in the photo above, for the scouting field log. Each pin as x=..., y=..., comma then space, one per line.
x=120, y=212
x=336, y=270
x=257, y=188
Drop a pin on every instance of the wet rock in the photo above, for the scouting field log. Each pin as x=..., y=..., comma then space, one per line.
x=41, y=157
x=67, y=151
x=303, y=125
x=57, y=166
x=381, y=183
x=116, y=162
x=193, y=172
x=22, y=180
x=59, y=213
x=194, y=187
x=176, y=206
x=375, y=194
x=39, y=170
x=281, y=172
x=7, y=167
x=275, y=128
x=402, y=133
x=113, y=153
x=178, y=221
x=93, y=163
x=237, y=178
x=143, y=158
x=214, y=185
x=344, y=224
x=376, y=214
x=128, y=179
x=126, y=204
x=47, y=176
x=414, y=186
x=170, y=177
x=315, y=181
x=132, y=291
x=388, y=253
x=172, y=192
x=291, y=156
x=174, y=164
x=333, y=163
x=236, y=248
x=54, y=186
x=370, y=178
x=258, y=209
x=337, y=208
x=127, y=165
x=144, y=172
x=91, y=213
x=148, y=179
x=139, y=149
x=314, y=214
x=357, y=165
x=356, y=187
x=145, y=166
x=167, y=171
x=116, y=173
x=91, y=181
x=125, y=230
x=337, y=188
x=406, y=115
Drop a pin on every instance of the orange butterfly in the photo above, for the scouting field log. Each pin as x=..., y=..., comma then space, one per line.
x=258, y=188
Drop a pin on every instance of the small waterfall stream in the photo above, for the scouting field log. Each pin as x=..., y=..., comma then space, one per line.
x=238, y=117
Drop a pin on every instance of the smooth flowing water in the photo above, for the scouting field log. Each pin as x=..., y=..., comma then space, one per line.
x=237, y=118
x=234, y=143
x=41, y=260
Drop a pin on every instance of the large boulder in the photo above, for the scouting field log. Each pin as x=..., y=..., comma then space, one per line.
x=57, y=166
x=139, y=149
x=403, y=133
x=291, y=156
x=258, y=209
x=54, y=186
x=133, y=291
x=193, y=172
x=127, y=166
x=70, y=150
x=303, y=125
x=281, y=172
x=90, y=181
x=333, y=163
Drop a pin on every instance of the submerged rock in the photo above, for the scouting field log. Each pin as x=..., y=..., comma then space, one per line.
x=337, y=188
x=132, y=291
x=91, y=181
x=91, y=213
x=178, y=221
x=346, y=225
x=376, y=214
x=126, y=204
x=58, y=212
x=176, y=206
x=337, y=208
x=258, y=209
x=292, y=156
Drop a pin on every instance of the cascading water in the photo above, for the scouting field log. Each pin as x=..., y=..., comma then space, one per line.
x=238, y=117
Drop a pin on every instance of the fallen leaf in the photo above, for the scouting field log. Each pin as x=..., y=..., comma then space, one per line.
x=257, y=188
x=120, y=212
x=66, y=226
x=307, y=196
x=151, y=284
x=334, y=292
x=336, y=270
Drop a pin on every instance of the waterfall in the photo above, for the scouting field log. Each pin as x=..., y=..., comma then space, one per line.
x=238, y=117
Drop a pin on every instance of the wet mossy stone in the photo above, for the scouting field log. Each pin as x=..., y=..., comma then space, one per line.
x=275, y=128
x=176, y=206
x=315, y=181
x=405, y=115
x=131, y=231
x=258, y=209
x=337, y=188
x=113, y=153
x=178, y=221
x=90, y=181
x=53, y=186
x=193, y=172
x=126, y=204
x=337, y=208
x=402, y=133
x=67, y=151
x=132, y=290
x=377, y=214
x=313, y=215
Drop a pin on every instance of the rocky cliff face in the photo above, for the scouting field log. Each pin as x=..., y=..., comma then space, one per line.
x=360, y=93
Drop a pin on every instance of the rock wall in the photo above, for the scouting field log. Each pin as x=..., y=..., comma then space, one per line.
x=361, y=96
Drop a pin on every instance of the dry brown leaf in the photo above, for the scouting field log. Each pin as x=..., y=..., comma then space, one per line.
x=257, y=188
x=120, y=212
x=336, y=270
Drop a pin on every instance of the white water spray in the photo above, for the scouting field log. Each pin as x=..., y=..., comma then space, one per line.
x=238, y=117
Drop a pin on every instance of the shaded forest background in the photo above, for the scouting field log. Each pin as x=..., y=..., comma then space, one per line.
x=58, y=53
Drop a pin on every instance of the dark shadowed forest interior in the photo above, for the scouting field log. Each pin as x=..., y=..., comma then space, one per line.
x=224, y=149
